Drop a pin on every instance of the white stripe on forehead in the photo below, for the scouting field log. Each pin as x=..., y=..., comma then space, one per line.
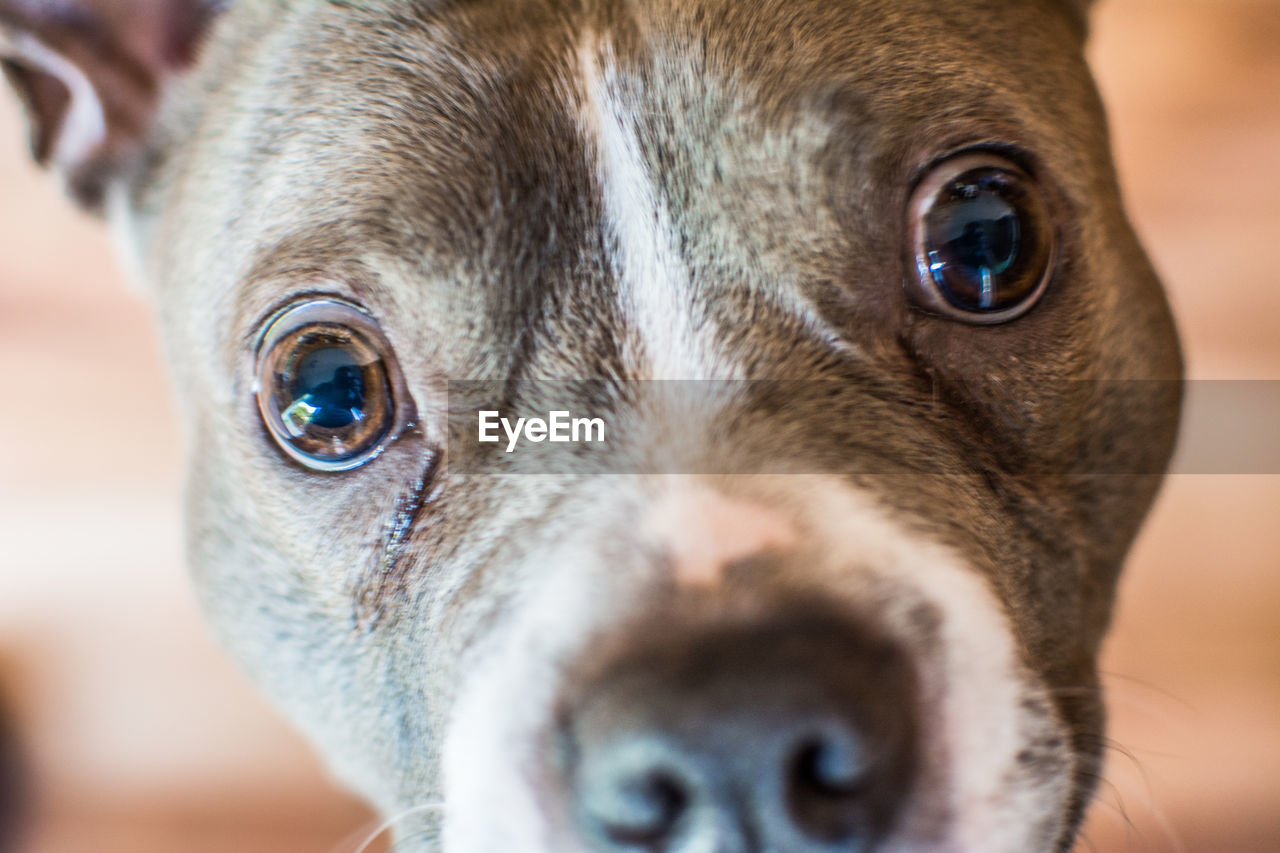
x=654, y=287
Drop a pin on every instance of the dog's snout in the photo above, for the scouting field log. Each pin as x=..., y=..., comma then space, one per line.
x=792, y=736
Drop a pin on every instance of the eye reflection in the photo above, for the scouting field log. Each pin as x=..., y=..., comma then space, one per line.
x=976, y=237
x=328, y=391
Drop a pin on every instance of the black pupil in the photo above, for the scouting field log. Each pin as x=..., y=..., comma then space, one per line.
x=328, y=383
x=977, y=239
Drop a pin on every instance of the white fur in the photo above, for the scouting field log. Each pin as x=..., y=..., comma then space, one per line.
x=126, y=238
x=653, y=279
x=491, y=748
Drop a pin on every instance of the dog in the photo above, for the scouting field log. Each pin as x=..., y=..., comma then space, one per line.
x=884, y=382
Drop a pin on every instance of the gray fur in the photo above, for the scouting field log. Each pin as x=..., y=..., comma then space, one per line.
x=425, y=160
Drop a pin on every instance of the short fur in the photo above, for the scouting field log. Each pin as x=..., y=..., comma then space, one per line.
x=454, y=166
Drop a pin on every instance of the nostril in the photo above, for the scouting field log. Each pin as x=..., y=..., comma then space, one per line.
x=833, y=764
x=787, y=736
x=641, y=810
x=825, y=787
x=632, y=792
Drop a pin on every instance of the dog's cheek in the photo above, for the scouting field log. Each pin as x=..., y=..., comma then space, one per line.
x=493, y=750
x=293, y=634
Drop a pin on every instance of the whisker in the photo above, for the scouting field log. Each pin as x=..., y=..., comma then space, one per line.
x=1131, y=681
x=1144, y=791
x=390, y=823
x=405, y=842
x=1107, y=797
x=1086, y=841
x=1110, y=797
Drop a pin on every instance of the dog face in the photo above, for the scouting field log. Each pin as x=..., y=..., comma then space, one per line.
x=845, y=593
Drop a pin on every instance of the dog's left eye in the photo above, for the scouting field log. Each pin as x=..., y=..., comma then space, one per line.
x=327, y=382
x=982, y=238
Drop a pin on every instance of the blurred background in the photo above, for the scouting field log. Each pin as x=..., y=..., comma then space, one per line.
x=143, y=738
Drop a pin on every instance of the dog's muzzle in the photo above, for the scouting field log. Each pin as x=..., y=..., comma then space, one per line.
x=795, y=734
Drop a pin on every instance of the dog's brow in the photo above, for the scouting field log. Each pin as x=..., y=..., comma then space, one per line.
x=339, y=257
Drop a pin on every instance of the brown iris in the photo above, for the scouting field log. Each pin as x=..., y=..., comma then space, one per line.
x=325, y=390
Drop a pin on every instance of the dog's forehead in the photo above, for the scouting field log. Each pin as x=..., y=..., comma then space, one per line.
x=471, y=141
x=472, y=94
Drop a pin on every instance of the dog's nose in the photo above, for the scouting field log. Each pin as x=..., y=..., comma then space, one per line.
x=793, y=736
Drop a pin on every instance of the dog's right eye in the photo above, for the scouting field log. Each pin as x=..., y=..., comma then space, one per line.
x=327, y=385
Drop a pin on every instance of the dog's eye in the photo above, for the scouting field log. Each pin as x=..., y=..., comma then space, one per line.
x=327, y=385
x=983, y=239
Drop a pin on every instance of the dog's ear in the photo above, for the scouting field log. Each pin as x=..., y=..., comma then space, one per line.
x=90, y=74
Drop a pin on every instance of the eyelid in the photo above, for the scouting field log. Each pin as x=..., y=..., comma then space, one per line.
x=998, y=148
x=257, y=334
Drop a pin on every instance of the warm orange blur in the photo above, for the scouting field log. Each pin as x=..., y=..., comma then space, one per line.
x=146, y=740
